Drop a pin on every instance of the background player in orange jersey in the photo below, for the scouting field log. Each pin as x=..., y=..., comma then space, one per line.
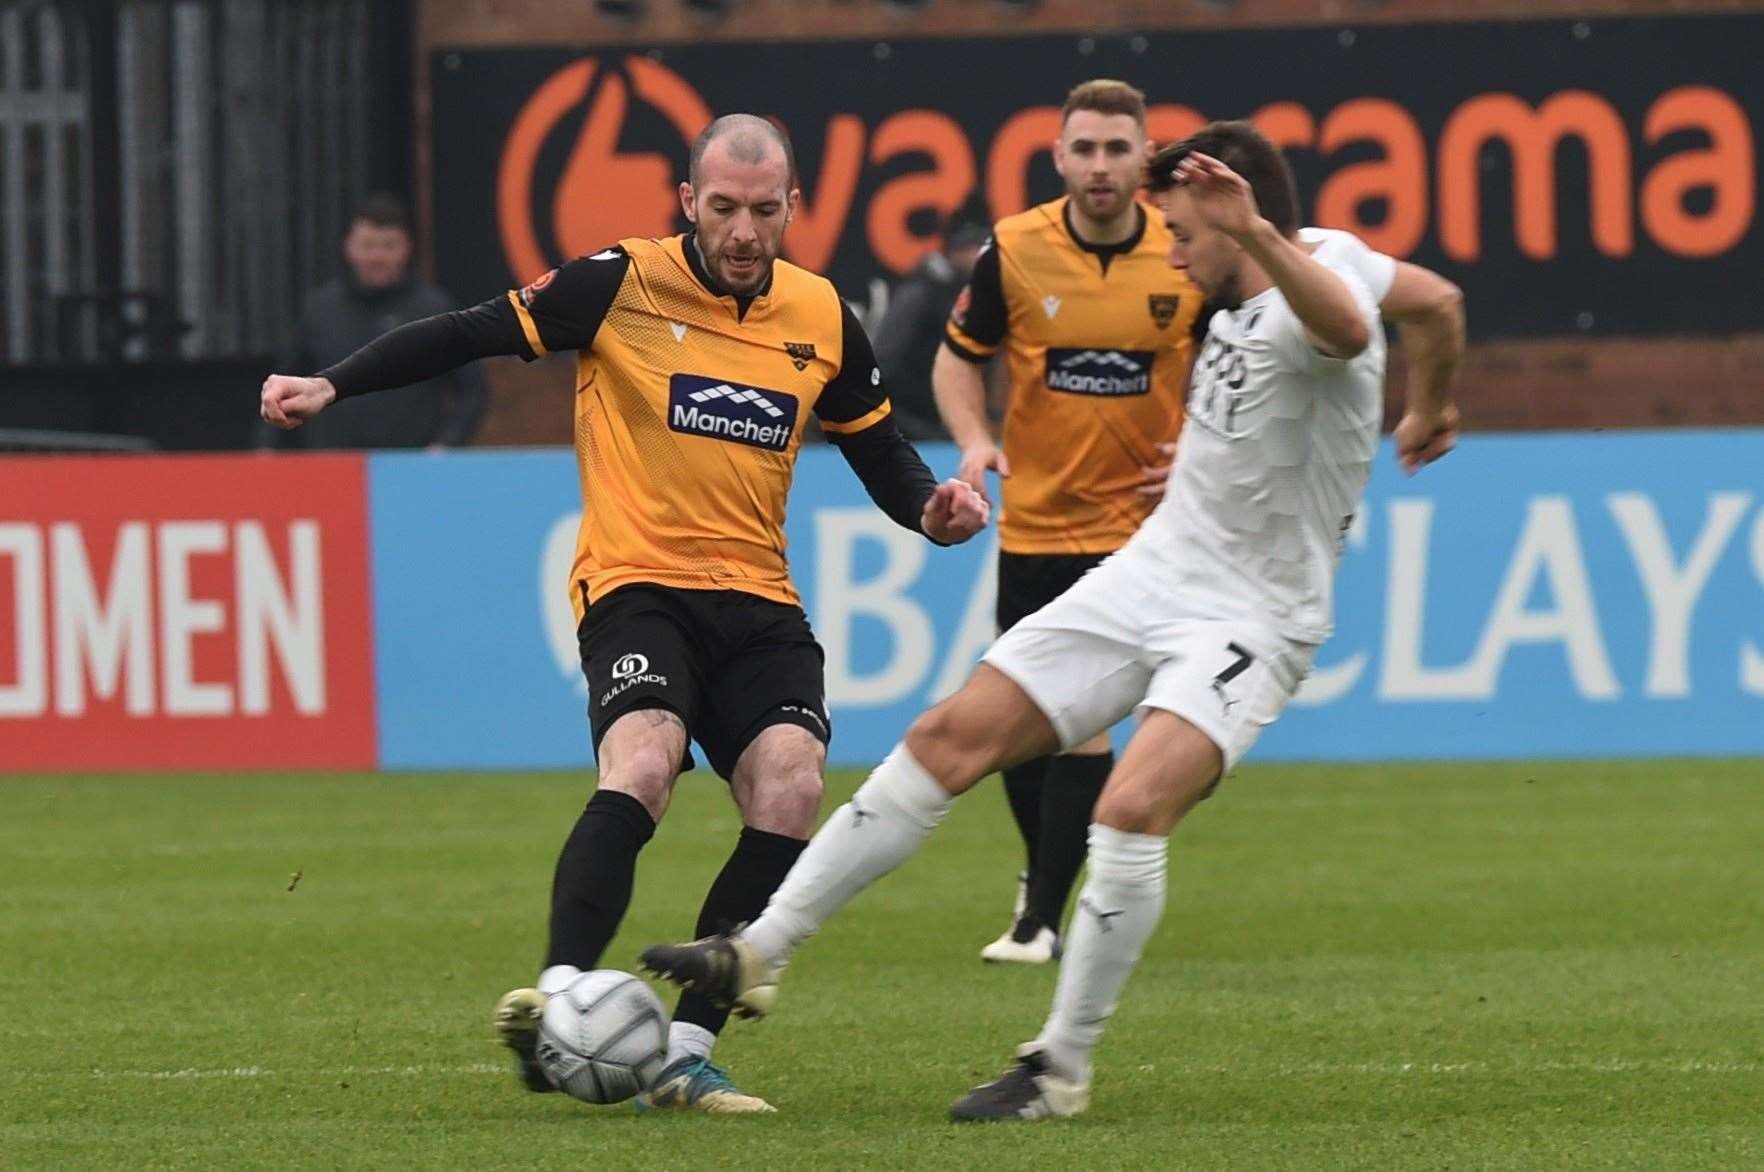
x=1096, y=329
x=701, y=357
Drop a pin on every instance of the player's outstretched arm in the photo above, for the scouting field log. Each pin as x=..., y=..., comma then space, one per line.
x=1429, y=312
x=412, y=353
x=561, y=310
x=855, y=413
x=1318, y=297
x=895, y=476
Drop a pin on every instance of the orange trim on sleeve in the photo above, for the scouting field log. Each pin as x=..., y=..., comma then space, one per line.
x=957, y=335
x=861, y=423
x=527, y=326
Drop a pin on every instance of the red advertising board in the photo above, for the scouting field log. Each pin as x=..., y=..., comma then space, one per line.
x=185, y=612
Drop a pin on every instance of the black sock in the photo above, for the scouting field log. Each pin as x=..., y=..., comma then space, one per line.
x=739, y=894
x=1069, y=796
x=591, y=887
x=1022, y=786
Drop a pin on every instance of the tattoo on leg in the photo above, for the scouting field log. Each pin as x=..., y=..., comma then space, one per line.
x=657, y=717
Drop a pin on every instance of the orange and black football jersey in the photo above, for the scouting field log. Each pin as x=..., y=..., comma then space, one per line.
x=1098, y=342
x=690, y=408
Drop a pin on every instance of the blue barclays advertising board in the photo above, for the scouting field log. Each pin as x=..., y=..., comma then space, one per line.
x=1537, y=595
x=463, y=596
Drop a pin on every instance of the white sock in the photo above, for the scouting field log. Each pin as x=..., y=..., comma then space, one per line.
x=688, y=1040
x=1119, y=906
x=557, y=978
x=863, y=840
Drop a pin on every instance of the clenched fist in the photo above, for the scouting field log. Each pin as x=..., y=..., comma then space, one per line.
x=1423, y=437
x=289, y=401
x=954, y=513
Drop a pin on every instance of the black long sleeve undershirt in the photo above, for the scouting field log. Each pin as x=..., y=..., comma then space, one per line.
x=891, y=470
x=883, y=458
x=426, y=348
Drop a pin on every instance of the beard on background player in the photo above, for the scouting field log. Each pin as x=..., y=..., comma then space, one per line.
x=1204, y=624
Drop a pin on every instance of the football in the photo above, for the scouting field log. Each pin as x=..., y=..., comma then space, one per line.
x=604, y=1037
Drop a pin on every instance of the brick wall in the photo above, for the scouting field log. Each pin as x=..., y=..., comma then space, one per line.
x=537, y=22
x=1566, y=382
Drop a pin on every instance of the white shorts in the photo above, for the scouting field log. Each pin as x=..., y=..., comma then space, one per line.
x=1113, y=644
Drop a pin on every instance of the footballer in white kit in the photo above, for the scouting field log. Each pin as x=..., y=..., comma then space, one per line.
x=1205, y=622
x=1213, y=609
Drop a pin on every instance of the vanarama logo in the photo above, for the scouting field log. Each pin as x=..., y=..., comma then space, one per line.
x=1559, y=184
x=1099, y=372
x=603, y=193
x=718, y=409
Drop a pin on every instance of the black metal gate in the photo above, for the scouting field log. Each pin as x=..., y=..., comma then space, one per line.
x=174, y=174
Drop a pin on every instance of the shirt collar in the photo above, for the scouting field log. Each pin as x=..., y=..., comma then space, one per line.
x=695, y=262
x=1105, y=252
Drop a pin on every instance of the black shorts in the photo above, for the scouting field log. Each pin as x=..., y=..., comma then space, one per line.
x=728, y=663
x=1029, y=581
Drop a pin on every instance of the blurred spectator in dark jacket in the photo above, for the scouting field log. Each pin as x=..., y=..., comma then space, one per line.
x=912, y=328
x=376, y=293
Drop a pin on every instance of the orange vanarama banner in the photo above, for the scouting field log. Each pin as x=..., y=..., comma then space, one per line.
x=1572, y=176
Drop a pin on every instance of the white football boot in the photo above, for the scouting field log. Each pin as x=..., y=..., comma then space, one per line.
x=1024, y=942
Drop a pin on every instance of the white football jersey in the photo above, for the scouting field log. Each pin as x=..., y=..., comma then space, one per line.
x=1273, y=459
x=1333, y=246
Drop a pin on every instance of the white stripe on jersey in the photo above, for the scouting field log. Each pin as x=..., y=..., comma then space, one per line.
x=1273, y=459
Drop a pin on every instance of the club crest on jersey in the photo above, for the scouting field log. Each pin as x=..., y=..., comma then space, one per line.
x=724, y=410
x=1163, y=307
x=801, y=353
x=1109, y=373
x=1050, y=305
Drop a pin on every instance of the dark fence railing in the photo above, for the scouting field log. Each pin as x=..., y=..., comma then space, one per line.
x=175, y=174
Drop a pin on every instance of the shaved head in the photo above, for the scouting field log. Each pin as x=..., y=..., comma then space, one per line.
x=747, y=138
x=739, y=198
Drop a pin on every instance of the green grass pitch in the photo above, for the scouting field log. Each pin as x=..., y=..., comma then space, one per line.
x=1392, y=967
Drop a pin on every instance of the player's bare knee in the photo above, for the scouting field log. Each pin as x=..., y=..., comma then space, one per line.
x=928, y=736
x=946, y=743
x=778, y=781
x=645, y=775
x=1147, y=804
x=641, y=756
x=1131, y=808
x=793, y=804
x=786, y=806
x=792, y=800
